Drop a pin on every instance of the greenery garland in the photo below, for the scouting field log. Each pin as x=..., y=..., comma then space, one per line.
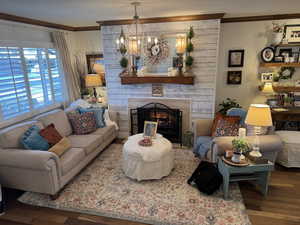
x=286, y=72
x=189, y=47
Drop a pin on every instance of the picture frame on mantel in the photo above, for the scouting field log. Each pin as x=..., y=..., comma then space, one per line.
x=236, y=58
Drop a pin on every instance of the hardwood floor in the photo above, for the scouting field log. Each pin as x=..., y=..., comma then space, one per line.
x=280, y=207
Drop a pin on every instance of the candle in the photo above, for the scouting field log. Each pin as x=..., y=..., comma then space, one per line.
x=242, y=132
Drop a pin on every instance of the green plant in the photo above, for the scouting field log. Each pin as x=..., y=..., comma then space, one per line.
x=286, y=72
x=189, y=60
x=189, y=47
x=227, y=104
x=240, y=145
x=123, y=50
x=124, y=62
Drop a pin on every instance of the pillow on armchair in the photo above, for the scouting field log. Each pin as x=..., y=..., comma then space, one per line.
x=222, y=123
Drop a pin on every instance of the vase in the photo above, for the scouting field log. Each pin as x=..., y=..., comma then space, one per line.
x=236, y=157
x=277, y=38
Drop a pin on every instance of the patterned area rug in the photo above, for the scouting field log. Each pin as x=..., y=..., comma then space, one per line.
x=103, y=189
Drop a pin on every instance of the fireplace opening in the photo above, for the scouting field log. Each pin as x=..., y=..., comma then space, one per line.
x=169, y=120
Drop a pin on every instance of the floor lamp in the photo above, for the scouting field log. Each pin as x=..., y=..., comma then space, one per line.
x=259, y=115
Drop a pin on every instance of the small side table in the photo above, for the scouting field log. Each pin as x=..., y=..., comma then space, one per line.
x=257, y=171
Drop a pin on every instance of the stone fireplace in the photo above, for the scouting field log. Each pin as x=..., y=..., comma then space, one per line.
x=195, y=101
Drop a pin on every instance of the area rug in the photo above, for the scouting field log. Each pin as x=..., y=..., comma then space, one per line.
x=103, y=189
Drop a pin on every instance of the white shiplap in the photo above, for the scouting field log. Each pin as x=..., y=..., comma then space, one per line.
x=201, y=94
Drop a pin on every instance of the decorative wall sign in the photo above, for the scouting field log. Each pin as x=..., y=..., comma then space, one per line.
x=157, y=52
x=236, y=58
x=292, y=33
x=157, y=90
x=267, y=54
x=267, y=77
x=234, y=77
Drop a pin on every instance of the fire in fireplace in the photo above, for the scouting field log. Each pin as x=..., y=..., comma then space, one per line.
x=169, y=120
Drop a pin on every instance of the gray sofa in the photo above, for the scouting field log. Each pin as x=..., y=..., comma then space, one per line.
x=43, y=171
x=270, y=144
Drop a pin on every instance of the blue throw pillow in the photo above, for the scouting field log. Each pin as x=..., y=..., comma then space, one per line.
x=99, y=115
x=32, y=140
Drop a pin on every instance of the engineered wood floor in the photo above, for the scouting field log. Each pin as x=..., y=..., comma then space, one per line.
x=280, y=207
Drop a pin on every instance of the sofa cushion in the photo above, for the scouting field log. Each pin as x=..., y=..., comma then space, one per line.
x=88, y=142
x=61, y=147
x=51, y=134
x=10, y=137
x=60, y=120
x=71, y=158
x=83, y=123
x=32, y=140
x=98, y=113
x=105, y=132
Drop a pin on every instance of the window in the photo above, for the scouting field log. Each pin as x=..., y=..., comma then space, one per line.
x=29, y=79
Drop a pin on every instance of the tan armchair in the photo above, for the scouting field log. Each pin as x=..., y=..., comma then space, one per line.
x=270, y=145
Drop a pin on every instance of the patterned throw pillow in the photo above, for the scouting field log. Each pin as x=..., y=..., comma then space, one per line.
x=83, y=123
x=51, y=134
x=99, y=115
x=31, y=139
x=219, y=117
x=227, y=128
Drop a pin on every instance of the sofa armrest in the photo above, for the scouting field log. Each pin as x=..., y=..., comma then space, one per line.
x=267, y=144
x=29, y=159
x=114, y=116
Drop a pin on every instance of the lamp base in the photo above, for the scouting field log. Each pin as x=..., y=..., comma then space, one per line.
x=255, y=153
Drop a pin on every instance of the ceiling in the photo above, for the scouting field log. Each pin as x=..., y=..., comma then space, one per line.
x=87, y=12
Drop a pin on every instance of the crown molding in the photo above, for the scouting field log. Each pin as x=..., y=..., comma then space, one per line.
x=19, y=19
x=163, y=19
x=260, y=18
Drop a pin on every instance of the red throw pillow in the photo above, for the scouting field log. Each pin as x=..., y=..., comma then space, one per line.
x=50, y=134
x=84, y=123
x=220, y=117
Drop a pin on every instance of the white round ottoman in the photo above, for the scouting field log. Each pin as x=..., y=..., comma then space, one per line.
x=147, y=163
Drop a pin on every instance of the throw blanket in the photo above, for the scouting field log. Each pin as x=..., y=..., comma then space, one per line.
x=203, y=145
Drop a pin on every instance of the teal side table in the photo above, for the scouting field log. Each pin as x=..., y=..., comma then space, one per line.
x=256, y=171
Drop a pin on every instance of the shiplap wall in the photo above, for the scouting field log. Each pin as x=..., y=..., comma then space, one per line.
x=202, y=93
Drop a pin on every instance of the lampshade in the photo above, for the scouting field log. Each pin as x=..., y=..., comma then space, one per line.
x=259, y=115
x=93, y=80
x=180, y=44
x=268, y=88
x=98, y=68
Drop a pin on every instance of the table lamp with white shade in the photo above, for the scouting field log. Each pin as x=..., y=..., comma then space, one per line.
x=259, y=115
x=93, y=81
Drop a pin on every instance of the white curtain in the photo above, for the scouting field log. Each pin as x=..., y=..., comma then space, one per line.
x=71, y=77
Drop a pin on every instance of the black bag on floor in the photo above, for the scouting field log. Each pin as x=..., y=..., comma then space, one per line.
x=206, y=177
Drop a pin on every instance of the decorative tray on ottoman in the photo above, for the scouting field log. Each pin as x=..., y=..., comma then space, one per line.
x=244, y=162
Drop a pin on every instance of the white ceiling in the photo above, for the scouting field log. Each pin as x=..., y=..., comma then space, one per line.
x=87, y=12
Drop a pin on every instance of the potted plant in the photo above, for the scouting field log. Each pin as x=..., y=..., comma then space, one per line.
x=227, y=104
x=240, y=146
x=277, y=33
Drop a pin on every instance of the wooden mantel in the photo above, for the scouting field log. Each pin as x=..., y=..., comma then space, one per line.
x=187, y=80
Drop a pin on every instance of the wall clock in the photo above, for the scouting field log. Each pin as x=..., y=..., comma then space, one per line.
x=157, y=52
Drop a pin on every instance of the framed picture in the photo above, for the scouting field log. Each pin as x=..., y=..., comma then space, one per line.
x=234, y=77
x=267, y=77
x=267, y=54
x=92, y=59
x=150, y=129
x=95, y=64
x=157, y=90
x=292, y=33
x=236, y=58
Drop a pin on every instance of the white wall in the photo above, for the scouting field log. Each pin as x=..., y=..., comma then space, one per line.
x=253, y=37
